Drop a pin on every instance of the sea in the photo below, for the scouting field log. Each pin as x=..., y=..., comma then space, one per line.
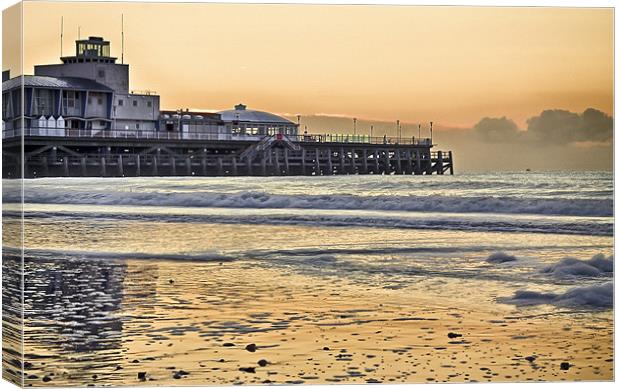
x=146, y=281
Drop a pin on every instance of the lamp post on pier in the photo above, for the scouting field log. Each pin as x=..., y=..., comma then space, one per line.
x=431, y=133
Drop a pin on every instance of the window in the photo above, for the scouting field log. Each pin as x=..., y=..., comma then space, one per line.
x=5, y=105
x=101, y=73
x=137, y=126
x=70, y=101
x=120, y=102
x=149, y=104
x=43, y=102
x=135, y=103
x=90, y=100
x=99, y=101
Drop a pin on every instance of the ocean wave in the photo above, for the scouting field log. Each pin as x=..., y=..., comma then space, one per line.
x=367, y=220
x=596, y=296
x=264, y=200
x=210, y=256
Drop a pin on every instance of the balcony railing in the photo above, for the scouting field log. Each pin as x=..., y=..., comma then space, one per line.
x=175, y=135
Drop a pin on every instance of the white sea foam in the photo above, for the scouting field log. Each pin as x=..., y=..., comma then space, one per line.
x=501, y=257
x=597, y=266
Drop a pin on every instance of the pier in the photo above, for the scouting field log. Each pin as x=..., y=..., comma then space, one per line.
x=132, y=154
x=79, y=118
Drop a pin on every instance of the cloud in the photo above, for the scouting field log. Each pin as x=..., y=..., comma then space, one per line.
x=563, y=127
x=497, y=130
x=553, y=125
x=596, y=296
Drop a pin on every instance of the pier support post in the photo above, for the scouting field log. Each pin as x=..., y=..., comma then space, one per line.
x=138, y=168
x=377, y=162
x=234, y=165
x=155, y=167
x=83, y=165
x=387, y=169
x=303, y=161
x=409, y=166
x=263, y=165
x=399, y=167
x=276, y=165
x=330, y=167
x=65, y=161
x=451, y=163
x=317, y=163
x=286, y=163
x=353, y=162
x=249, y=165
x=46, y=168
x=418, y=162
x=439, y=163
x=203, y=162
x=220, y=166
x=364, y=161
x=188, y=166
x=173, y=162
x=103, y=169
x=341, y=169
x=120, y=166
x=429, y=166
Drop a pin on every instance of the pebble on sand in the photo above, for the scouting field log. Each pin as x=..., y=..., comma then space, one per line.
x=564, y=366
x=453, y=335
x=262, y=363
x=247, y=369
x=142, y=375
x=251, y=347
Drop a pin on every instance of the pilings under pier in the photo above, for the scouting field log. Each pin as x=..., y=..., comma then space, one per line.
x=300, y=159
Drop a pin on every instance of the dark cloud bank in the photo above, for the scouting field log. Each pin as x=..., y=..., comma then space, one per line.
x=555, y=139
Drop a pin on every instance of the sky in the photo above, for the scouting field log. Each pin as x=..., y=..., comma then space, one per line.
x=452, y=65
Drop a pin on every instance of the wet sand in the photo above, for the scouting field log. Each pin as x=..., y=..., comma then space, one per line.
x=138, y=322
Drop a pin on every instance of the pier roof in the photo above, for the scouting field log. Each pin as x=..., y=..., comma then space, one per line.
x=241, y=114
x=55, y=82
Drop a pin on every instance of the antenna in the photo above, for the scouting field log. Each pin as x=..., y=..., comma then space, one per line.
x=122, y=38
x=62, y=29
x=419, y=130
x=79, y=30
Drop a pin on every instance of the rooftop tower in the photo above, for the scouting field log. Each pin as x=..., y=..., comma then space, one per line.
x=92, y=60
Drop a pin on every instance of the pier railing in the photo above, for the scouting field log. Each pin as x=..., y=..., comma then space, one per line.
x=175, y=135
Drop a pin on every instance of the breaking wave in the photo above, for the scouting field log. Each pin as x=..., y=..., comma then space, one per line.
x=262, y=200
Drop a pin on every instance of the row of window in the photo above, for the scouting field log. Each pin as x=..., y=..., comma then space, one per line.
x=121, y=102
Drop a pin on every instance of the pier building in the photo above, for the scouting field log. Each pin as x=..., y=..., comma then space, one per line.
x=80, y=118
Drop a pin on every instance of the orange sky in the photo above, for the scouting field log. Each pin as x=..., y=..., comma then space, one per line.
x=452, y=65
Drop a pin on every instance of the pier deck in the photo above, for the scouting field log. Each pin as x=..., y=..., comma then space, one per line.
x=81, y=156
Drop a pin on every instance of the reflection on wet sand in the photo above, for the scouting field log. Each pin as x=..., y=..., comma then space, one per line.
x=135, y=322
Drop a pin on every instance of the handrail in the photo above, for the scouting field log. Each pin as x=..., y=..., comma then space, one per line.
x=175, y=135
